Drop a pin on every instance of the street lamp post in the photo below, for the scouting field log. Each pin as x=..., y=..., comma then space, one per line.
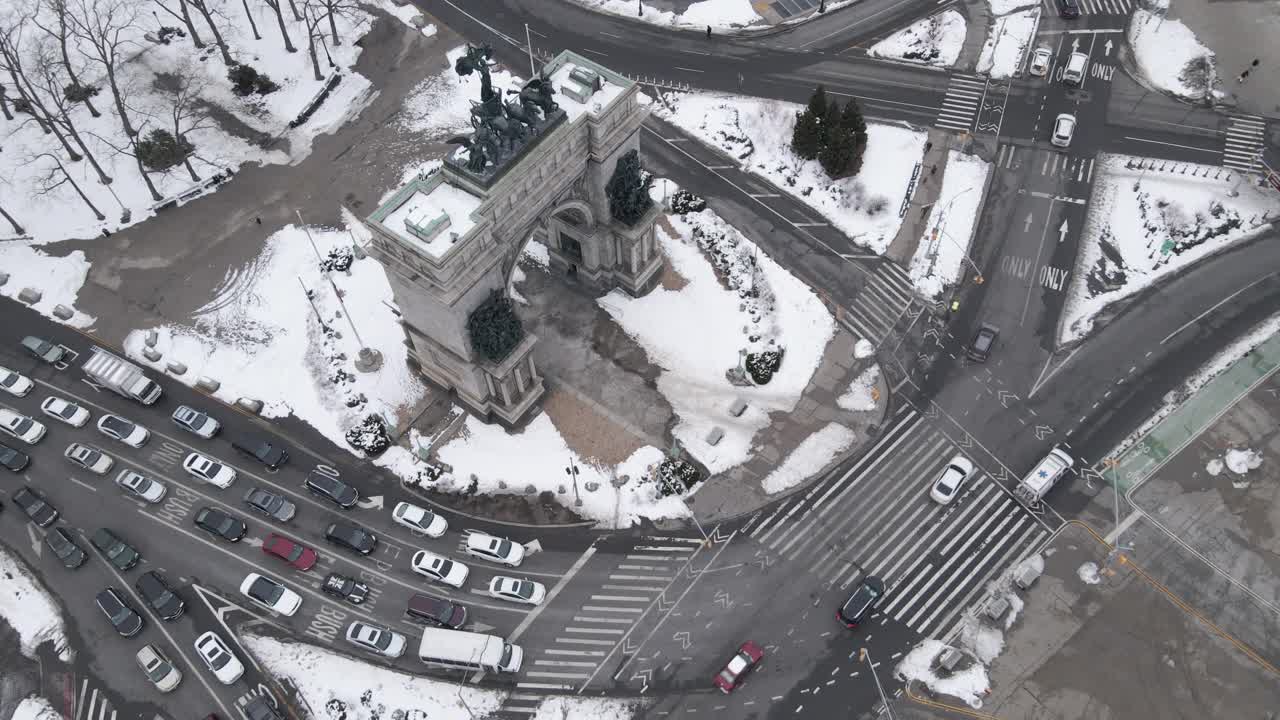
x=640, y=8
x=822, y=6
x=865, y=657
x=572, y=472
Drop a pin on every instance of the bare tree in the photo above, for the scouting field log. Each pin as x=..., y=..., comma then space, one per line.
x=314, y=13
x=296, y=15
x=188, y=112
x=4, y=103
x=132, y=151
x=17, y=229
x=46, y=81
x=11, y=62
x=104, y=26
x=203, y=7
x=59, y=29
x=252, y=25
x=335, y=8
x=284, y=32
x=56, y=177
x=185, y=16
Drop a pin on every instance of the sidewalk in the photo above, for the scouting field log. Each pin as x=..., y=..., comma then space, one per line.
x=739, y=490
x=977, y=15
x=928, y=186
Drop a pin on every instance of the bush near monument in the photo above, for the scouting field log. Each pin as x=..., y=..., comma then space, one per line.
x=762, y=365
x=684, y=202
x=628, y=190
x=675, y=476
x=495, y=328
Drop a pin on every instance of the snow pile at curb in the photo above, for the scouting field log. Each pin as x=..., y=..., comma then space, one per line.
x=859, y=397
x=30, y=609
x=695, y=334
x=356, y=690
x=758, y=134
x=1242, y=461
x=558, y=707
x=969, y=685
x=863, y=349
x=1144, y=224
x=58, y=279
x=939, y=259
x=935, y=40
x=263, y=319
x=813, y=454
x=1171, y=58
x=719, y=14
x=35, y=708
x=1010, y=36
x=1088, y=573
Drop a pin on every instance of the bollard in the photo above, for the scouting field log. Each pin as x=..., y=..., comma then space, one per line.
x=151, y=354
x=62, y=312
x=30, y=296
x=252, y=405
x=207, y=384
x=152, y=338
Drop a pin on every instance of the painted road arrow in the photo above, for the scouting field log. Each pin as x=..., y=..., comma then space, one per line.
x=36, y=547
x=1005, y=396
x=1106, y=49
x=1062, y=231
x=1043, y=431
x=533, y=547
x=1026, y=224
x=373, y=502
x=683, y=638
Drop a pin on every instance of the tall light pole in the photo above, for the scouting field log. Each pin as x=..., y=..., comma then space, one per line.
x=865, y=657
x=572, y=471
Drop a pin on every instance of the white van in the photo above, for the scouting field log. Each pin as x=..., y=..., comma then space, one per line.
x=1073, y=73
x=1043, y=476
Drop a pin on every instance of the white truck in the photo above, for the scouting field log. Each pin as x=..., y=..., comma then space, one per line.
x=120, y=376
x=1043, y=476
x=462, y=650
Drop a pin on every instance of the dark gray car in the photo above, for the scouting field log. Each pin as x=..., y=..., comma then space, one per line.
x=43, y=349
x=66, y=549
x=271, y=504
x=123, y=618
x=162, y=598
x=37, y=509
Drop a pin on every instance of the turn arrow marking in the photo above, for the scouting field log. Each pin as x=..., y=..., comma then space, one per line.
x=373, y=502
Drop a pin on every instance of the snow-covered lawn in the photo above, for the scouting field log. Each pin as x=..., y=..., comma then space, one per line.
x=809, y=457
x=1145, y=224
x=1171, y=58
x=263, y=319
x=757, y=133
x=719, y=14
x=557, y=707
x=29, y=608
x=935, y=40
x=30, y=157
x=695, y=334
x=1010, y=36
x=58, y=279
x=860, y=396
x=440, y=104
x=940, y=257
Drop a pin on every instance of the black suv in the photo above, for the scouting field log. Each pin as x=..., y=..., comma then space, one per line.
x=162, y=598
x=437, y=611
x=64, y=548
x=13, y=459
x=349, y=589
x=119, y=552
x=351, y=537
x=261, y=449
x=332, y=489
x=37, y=508
x=1069, y=9
x=861, y=602
x=223, y=525
x=261, y=708
x=123, y=617
x=980, y=348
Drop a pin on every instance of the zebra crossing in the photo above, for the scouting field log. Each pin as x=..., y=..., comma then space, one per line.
x=877, y=519
x=1246, y=139
x=604, y=616
x=1048, y=163
x=960, y=104
x=1097, y=7
x=92, y=704
x=881, y=302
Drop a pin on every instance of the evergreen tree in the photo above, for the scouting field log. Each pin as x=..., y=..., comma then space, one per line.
x=838, y=154
x=851, y=120
x=160, y=150
x=818, y=103
x=830, y=123
x=628, y=190
x=806, y=138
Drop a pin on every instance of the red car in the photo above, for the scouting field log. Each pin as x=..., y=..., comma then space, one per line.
x=747, y=657
x=298, y=555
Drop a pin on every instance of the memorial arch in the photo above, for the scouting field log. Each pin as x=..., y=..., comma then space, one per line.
x=534, y=170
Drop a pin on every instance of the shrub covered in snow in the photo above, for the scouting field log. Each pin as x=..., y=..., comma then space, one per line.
x=370, y=436
x=762, y=365
x=495, y=328
x=684, y=202
x=339, y=259
x=628, y=189
x=160, y=150
x=245, y=81
x=676, y=476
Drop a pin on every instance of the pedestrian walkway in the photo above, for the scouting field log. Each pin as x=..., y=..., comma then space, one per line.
x=634, y=581
x=1046, y=163
x=881, y=303
x=1245, y=143
x=92, y=703
x=878, y=519
x=960, y=105
x=904, y=244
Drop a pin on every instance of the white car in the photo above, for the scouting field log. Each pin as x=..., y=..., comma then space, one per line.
x=219, y=658
x=15, y=383
x=90, y=458
x=209, y=470
x=518, y=590
x=449, y=572
x=158, y=668
x=419, y=519
x=126, y=431
x=947, y=485
x=376, y=638
x=141, y=486
x=65, y=411
x=1063, y=128
x=22, y=427
x=1040, y=61
x=194, y=421
x=270, y=594
x=495, y=549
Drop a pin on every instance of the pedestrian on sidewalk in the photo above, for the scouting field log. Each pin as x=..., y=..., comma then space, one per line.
x=106, y=232
x=708, y=32
x=928, y=145
x=933, y=170
x=1242, y=77
x=258, y=220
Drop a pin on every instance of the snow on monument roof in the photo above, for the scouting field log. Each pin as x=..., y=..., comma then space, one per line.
x=595, y=104
x=433, y=220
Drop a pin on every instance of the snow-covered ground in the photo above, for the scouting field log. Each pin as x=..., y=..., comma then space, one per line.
x=1144, y=224
x=263, y=319
x=940, y=257
x=336, y=686
x=1088, y=573
x=935, y=40
x=1009, y=38
x=969, y=684
x=58, y=279
x=860, y=397
x=1171, y=58
x=810, y=456
x=440, y=104
x=695, y=333
x=30, y=156
x=29, y=608
x=718, y=14
x=35, y=708
x=1240, y=461
x=758, y=134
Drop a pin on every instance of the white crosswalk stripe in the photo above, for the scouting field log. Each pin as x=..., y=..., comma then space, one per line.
x=881, y=302
x=1048, y=163
x=877, y=519
x=92, y=704
x=960, y=104
x=1103, y=7
x=1246, y=139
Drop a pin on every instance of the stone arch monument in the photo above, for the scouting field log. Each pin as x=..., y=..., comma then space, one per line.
x=534, y=168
